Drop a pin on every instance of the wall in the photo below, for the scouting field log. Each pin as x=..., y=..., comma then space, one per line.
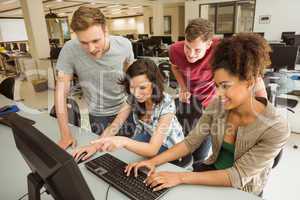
x=284, y=17
x=123, y=26
x=177, y=20
x=181, y=25
x=12, y=30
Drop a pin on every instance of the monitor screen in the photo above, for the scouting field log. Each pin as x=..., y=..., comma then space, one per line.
x=167, y=40
x=283, y=57
x=262, y=34
x=297, y=40
x=130, y=36
x=181, y=38
x=227, y=35
x=143, y=36
x=56, y=169
x=288, y=37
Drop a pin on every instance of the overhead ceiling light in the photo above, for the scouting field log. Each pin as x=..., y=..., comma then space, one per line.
x=117, y=9
x=134, y=7
x=8, y=2
x=59, y=0
x=113, y=13
x=113, y=6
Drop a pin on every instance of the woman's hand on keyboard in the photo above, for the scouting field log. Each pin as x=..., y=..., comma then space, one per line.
x=161, y=180
x=137, y=165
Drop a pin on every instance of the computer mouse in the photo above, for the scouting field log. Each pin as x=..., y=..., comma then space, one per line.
x=80, y=157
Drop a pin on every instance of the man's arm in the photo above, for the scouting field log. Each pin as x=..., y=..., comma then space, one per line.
x=178, y=77
x=184, y=94
x=61, y=93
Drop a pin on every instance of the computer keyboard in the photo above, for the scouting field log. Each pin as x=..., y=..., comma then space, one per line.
x=111, y=170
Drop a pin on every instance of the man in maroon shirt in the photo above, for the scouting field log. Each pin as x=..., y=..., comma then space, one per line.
x=190, y=62
x=191, y=67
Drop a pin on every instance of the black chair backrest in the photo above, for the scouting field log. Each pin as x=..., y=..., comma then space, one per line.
x=187, y=115
x=7, y=87
x=73, y=112
x=54, y=52
x=15, y=46
x=277, y=159
x=163, y=67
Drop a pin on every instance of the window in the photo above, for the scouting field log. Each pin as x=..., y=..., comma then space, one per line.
x=229, y=17
x=167, y=25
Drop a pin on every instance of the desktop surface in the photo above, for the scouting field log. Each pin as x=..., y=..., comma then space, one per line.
x=14, y=170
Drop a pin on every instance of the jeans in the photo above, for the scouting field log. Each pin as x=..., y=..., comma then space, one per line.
x=99, y=123
x=145, y=137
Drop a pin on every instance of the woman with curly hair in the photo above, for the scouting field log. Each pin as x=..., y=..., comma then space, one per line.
x=247, y=132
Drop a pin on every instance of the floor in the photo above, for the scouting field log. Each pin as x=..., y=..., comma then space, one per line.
x=283, y=184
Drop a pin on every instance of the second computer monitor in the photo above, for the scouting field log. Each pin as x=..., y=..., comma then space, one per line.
x=167, y=40
x=143, y=36
x=262, y=34
x=283, y=57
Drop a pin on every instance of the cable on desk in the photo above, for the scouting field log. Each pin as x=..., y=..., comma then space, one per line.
x=23, y=196
x=107, y=192
x=27, y=195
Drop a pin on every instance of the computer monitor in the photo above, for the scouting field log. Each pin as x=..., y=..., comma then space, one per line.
x=227, y=35
x=138, y=49
x=181, y=38
x=167, y=40
x=283, y=57
x=296, y=40
x=51, y=166
x=143, y=36
x=157, y=40
x=130, y=36
x=288, y=37
x=262, y=34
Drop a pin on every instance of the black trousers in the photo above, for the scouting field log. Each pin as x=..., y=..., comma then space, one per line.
x=188, y=116
x=99, y=123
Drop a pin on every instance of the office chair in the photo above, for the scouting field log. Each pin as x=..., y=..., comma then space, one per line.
x=75, y=87
x=23, y=47
x=165, y=70
x=7, y=87
x=271, y=95
x=15, y=46
x=73, y=112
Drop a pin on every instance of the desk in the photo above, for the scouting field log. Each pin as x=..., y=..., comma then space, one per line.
x=13, y=170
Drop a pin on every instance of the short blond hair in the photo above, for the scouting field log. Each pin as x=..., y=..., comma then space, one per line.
x=85, y=17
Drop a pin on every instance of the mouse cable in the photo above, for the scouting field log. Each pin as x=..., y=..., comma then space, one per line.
x=27, y=195
x=107, y=192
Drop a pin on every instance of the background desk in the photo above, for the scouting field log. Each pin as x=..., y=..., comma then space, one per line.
x=13, y=170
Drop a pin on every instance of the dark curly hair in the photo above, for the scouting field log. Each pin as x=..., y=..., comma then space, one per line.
x=144, y=67
x=244, y=55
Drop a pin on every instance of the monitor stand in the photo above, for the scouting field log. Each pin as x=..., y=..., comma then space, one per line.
x=34, y=183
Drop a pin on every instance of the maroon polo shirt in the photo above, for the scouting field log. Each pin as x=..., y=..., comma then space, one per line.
x=198, y=76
